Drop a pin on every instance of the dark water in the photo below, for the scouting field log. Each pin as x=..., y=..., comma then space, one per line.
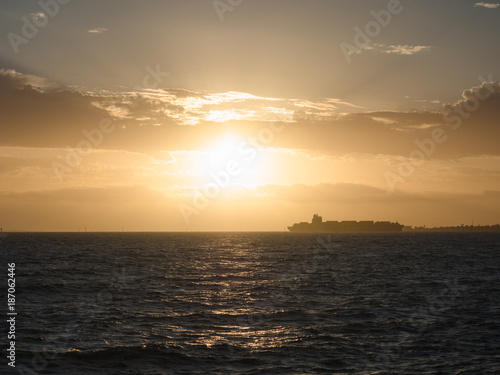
x=254, y=303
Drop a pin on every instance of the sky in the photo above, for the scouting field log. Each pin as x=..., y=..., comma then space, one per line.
x=206, y=115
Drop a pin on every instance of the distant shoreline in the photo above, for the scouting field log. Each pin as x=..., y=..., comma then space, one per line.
x=462, y=228
x=476, y=228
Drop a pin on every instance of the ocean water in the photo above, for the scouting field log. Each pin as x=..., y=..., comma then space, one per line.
x=253, y=303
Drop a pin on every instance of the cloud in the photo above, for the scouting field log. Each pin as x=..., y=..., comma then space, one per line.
x=341, y=192
x=486, y=93
x=36, y=114
x=406, y=49
x=398, y=49
x=97, y=208
x=38, y=16
x=97, y=30
x=10, y=164
x=141, y=208
x=16, y=80
x=487, y=5
x=364, y=202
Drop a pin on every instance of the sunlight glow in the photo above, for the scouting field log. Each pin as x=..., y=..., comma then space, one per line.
x=233, y=156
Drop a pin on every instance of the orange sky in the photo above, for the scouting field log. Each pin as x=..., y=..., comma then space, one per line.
x=239, y=127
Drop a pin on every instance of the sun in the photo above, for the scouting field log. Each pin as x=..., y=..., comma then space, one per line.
x=232, y=155
x=222, y=150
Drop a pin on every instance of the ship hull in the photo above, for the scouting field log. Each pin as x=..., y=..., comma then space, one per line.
x=344, y=230
x=349, y=227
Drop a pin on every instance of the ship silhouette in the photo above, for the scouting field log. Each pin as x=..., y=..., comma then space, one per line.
x=317, y=225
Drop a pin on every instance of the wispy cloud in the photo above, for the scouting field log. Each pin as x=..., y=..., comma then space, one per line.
x=399, y=49
x=97, y=30
x=10, y=77
x=487, y=5
x=39, y=16
x=406, y=49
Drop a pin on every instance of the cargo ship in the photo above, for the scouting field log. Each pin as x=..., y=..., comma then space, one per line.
x=319, y=226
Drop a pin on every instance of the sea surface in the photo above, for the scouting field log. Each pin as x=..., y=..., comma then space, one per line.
x=253, y=303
